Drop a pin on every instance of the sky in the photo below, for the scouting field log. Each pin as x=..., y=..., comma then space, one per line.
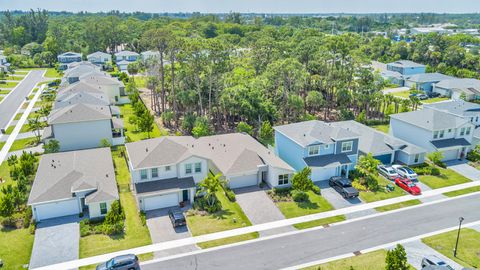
x=254, y=6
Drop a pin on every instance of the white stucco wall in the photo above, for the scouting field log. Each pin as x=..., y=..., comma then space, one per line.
x=82, y=135
x=196, y=176
x=94, y=209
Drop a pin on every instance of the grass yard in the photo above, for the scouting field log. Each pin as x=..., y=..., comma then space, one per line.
x=135, y=235
x=468, y=246
x=18, y=116
x=230, y=217
x=320, y=222
x=5, y=173
x=462, y=191
x=433, y=100
x=131, y=130
x=382, y=128
x=397, y=205
x=52, y=73
x=8, y=84
x=369, y=261
x=15, y=247
x=23, y=143
x=381, y=193
x=402, y=94
x=446, y=178
x=4, y=92
x=14, y=78
x=25, y=128
x=1, y=146
x=315, y=204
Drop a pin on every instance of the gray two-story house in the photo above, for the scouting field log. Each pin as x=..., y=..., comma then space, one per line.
x=328, y=150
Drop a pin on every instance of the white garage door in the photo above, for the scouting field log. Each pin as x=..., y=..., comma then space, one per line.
x=156, y=202
x=56, y=209
x=450, y=155
x=320, y=174
x=243, y=181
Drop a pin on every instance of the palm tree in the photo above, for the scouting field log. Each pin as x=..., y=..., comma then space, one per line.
x=35, y=126
x=209, y=186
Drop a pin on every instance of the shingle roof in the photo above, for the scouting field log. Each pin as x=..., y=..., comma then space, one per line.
x=314, y=131
x=100, y=78
x=164, y=185
x=405, y=64
x=70, y=54
x=231, y=153
x=327, y=160
x=376, y=142
x=79, y=113
x=78, y=71
x=60, y=174
x=126, y=53
x=101, y=54
x=430, y=119
x=81, y=97
x=457, y=107
x=450, y=142
x=428, y=77
x=462, y=85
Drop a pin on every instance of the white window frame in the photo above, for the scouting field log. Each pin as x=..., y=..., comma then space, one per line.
x=167, y=168
x=312, y=149
x=416, y=159
x=198, y=165
x=462, y=131
x=154, y=175
x=347, y=146
x=327, y=146
x=283, y=179
x=435, y=134
x=188, y=168
x=467, y=131
x=143, y=174
x=441, y=133
x=106, y=208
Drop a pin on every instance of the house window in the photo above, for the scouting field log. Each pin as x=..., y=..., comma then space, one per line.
x=143, y=174
x=167, y=168
x=282, y=179
x=103, y=208
x=313, y=150
x=347, y=146
x=435, y=134
x=476, y=119
x=462, y=131
x=471, y=119
x=188, y=168
x=468, y=131
x=154, y=172
x=417, y=158
x=327, y=146
x=442, y=132
x=198, y=167
x=449, y=130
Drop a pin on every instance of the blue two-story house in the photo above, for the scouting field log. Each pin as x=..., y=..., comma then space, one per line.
x=328, y=150
x=406, y=67
x=66, y=58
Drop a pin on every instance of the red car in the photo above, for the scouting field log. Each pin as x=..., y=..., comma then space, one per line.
x=408, y=186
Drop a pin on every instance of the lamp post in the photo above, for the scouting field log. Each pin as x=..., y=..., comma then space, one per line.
x=460, y=219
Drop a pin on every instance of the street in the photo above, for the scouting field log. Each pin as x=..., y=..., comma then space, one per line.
x=314, y=245
x=14, y=100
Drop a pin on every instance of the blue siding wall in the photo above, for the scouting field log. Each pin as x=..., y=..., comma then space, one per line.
x=323, y=150
x=413, y=71
x=385, y=159
x=289, y=151
x=354, y=147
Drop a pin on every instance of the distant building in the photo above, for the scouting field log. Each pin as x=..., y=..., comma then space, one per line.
x=66, y=58
x=456, y=88
x=99, y=58
x=467, y=110
x=406, y=67
x=425, y=81
x=150, y=55
x=124, y=58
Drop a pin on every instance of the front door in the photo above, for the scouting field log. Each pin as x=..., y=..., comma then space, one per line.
x=82, y=202
x=264, y=176
x=462, y=152
x=344, y=170
x=185, y=195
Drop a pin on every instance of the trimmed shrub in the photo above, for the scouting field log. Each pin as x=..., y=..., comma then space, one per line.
x=27, y=217
x=143, y=218
x=435, y=171
x=32, y=228
x=316, y=190
x=9, y=222
x=201, y=204
x=230, y=195
x=372, y=183
x=84, y=228
x=111, y=229
x=299, y=196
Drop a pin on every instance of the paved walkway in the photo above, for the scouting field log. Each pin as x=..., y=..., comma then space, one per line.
x=417, y=250
x=462, y=167
x=162, y=230
x=271, y=225
x=424, y=188
x=23, y=135
x=56, y=240
x=259, y=208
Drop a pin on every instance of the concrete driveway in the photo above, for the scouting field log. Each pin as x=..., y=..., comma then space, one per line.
x=56, y=240
x=162, y=230
x=338, y=202
x=417, y=250
x=462, y=167
x=259, y=208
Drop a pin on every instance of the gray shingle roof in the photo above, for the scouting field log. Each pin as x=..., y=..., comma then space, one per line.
x=81, y=97
x=231, y=153
x=327, y=160
x=457, y=107
x=449, y=143
x=376, y=142
x=430, y=119
x=100, y=78
x=99, y=54
x=164, y=185
x=126, y=53
x=405, y=64
x=461, y=85
x=60, y=174
x=79, y=113
x=79, y=70
x=314, y=131
x=78, y=87
x=428, y=77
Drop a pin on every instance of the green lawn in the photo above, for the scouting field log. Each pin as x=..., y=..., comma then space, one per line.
x=25, y=128
x=402, y=94
x=397, y=205
x=23, y=143
x=462, y=191
x=131, y=130
x=468, y=247
x=230, y=217
x=52, y=73
x=4, y=92
x=446, y=178
x=14, y=78
x=8, y=84
x=315, y=204
x=18, y=116
x=1, y=98
x=369, y=261
x=382, y=193
x=382, y=128
x=433, y=100
x=5, y=172
x=135, y=235
x=15, y=247
x=1, y=146
x=320, y=222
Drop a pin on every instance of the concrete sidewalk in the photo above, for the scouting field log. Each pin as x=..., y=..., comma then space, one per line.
x=417, y=250
x=272, y=225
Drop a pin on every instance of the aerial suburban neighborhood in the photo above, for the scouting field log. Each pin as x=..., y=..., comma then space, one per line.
x=225, y=136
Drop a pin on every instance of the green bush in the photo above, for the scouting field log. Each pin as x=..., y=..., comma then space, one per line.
x=111, y=229
x=9, y=222
x=27, y=217
x=282, y=191
x=201, y=204
x=299, y=196
x=230, y=195
x=372, y=183
x=32, y=228
x=115, y=214
x=316, y=190
x=85, y=228
x=143, y=217
x=435, y=171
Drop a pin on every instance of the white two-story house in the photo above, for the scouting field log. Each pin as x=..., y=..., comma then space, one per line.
x=434, y=131
x=165, y=171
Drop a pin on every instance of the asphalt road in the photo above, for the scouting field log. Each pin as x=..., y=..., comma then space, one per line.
x=310, y=246
x=10, y=104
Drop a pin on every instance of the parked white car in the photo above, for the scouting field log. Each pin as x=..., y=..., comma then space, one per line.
x=406, y=172
x=388, y=172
